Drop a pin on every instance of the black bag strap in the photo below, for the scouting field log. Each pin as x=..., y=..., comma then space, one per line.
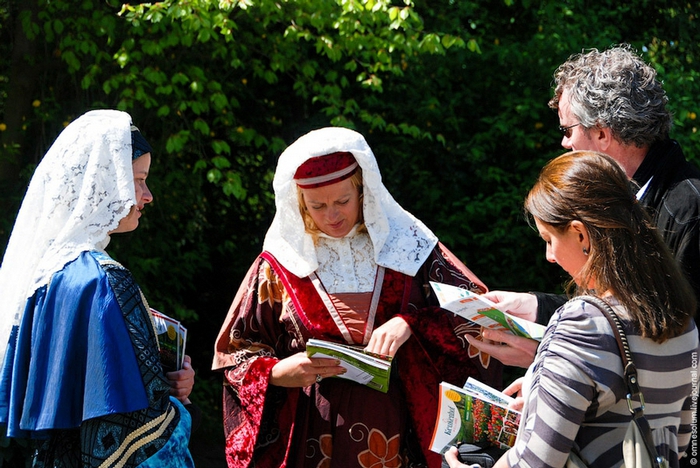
x=630, y=376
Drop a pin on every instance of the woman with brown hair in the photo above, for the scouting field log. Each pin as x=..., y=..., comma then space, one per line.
x=574, y=392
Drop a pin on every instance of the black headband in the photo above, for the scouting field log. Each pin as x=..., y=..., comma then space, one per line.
x=139, y=145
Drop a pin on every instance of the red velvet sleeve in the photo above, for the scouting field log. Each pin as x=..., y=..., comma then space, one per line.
x=243, y=409
x=247, y=348
x=439, y=332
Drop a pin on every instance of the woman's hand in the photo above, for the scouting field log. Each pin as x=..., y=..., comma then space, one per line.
x=453, y=461
x=516, y=388
x=388, y=338
x=182, y=381
x=299, y=370
x=511, y=350
x=515, y=303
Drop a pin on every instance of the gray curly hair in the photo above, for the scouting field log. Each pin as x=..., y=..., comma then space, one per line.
x=616, y=89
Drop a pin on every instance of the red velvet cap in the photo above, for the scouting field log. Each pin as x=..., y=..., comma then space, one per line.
x=325, y=170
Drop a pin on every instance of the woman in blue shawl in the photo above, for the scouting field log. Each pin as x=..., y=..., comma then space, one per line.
x=80, y=360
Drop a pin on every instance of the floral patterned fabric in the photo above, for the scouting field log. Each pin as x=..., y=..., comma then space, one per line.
x=338, y=423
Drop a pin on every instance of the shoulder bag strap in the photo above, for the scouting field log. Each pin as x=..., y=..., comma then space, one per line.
x=630, y=376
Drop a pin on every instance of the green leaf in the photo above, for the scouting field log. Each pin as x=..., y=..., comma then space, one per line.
x=199, y=165
x=213, y=175
x=219, y=147
x=70, y=58
x=202, y=126
x=233, y=186
x=221, y=162
x=177, y=141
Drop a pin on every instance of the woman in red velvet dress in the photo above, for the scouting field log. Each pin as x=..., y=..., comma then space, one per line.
x=342, y=261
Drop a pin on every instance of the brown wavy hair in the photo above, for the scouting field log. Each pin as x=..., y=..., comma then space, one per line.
x=627, y=255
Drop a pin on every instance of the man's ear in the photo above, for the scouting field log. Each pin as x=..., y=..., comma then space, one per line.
x=603, y=137
x=581, y=233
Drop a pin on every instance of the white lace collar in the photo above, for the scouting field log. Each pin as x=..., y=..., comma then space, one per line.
x=400, y=241
x=346, y=264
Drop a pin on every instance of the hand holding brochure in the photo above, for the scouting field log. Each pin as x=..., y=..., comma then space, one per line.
x=362, y=366
x=484, y=312
x=172, y=337
x=475, y=414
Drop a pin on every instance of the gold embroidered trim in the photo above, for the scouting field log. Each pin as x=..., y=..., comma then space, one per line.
x=122, y=454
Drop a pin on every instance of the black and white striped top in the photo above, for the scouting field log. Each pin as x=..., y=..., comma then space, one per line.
x=574, y=391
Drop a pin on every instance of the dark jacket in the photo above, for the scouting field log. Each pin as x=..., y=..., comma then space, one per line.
x=672, y=199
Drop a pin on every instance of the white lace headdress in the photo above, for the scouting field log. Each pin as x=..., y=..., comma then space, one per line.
x=401, y=242
x=81, y=189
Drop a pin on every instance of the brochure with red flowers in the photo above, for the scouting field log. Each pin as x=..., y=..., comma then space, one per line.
x=362, y=366
x=475, y=414
x=172, y=337
x=484, y=312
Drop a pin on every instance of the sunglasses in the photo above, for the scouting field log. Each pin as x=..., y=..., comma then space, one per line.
x=566, y=131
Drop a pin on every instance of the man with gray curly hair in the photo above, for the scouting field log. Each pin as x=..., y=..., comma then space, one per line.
x=612, y=102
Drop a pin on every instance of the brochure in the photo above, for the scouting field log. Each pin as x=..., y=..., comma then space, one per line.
x=362, y=366
x=475, y=414
x=172, y=337
x=484, y=312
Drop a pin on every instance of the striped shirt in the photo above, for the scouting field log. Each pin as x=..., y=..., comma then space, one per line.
x=574, y=391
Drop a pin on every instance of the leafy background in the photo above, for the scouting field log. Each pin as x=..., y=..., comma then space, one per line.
x=450, y=94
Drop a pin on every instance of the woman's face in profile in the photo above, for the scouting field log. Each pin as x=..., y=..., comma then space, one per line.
x=565, y=248
x=334, y=208
x=141, y=166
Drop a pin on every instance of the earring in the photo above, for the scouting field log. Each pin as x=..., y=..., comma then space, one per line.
x=585, y=251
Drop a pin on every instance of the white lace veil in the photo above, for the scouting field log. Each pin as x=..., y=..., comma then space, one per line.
x=401, y=242
x=81, y=189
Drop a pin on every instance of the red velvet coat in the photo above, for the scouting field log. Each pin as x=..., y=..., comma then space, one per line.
x=337, y=422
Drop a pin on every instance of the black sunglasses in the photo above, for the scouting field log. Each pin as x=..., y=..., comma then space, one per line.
x=566, y=131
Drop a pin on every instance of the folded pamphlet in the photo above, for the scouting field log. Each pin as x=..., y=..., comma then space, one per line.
x=172, y=337
x=475, y=414
x=362, y=366
x=478, y=309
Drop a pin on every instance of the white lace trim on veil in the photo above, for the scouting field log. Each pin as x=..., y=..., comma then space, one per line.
x=401, y=242
x=81, y=189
